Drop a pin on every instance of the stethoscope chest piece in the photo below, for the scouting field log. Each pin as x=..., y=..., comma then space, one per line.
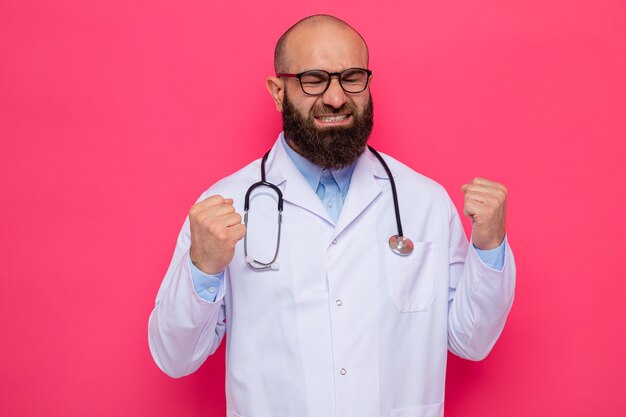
x=401, y=245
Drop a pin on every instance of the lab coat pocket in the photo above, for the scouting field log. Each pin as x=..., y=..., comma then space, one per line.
x=430, y=410
x=411, y=278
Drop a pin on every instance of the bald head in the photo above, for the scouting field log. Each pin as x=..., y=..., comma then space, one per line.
x=306, y=31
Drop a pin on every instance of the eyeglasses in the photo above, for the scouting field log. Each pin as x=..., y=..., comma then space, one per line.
x=316, y=82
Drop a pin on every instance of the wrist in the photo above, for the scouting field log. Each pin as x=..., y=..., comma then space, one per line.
x=206, y=267
x=488, y=243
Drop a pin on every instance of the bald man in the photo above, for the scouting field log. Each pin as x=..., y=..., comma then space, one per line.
x=325, y=314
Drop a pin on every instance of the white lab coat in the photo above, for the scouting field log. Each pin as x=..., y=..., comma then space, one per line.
x=344, y=327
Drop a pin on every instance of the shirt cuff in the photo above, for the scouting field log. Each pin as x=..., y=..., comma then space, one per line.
x=208, y=287
x=493, y=258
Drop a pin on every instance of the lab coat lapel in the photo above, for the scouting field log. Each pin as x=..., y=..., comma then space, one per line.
x=296, y=190
x=363, y=189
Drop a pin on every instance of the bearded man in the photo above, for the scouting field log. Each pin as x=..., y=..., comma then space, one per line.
x=325, y=314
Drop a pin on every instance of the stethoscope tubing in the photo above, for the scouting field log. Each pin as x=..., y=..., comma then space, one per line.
x=246, y=207
x=394, y=193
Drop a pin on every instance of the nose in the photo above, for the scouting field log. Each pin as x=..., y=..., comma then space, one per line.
x=334, y=96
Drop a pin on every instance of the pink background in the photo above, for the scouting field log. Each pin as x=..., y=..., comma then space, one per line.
x=115, y=115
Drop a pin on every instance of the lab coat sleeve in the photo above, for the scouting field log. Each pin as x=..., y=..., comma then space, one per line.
x=184, y=329
x=479, y=297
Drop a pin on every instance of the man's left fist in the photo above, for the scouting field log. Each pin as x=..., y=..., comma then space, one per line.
x=485, y=205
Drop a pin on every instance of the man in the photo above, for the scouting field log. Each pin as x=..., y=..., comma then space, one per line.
x=337, y=324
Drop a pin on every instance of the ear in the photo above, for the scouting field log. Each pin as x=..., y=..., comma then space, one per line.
x=276, y=88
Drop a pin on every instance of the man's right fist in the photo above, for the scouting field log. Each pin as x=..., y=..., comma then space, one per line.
x=215, y=230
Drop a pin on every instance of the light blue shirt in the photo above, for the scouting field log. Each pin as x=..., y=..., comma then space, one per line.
x=331, y=186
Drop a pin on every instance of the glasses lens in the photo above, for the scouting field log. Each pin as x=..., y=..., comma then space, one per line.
x=314, y=82
x=354, y=80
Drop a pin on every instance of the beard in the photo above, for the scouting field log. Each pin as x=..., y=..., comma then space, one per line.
x=330, y=147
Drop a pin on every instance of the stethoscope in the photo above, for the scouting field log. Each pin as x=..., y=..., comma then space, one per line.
x=399, y=243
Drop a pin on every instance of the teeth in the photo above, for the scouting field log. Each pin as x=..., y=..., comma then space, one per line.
x=333, y=118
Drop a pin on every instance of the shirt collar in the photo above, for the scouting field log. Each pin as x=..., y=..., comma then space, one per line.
x=312, y=173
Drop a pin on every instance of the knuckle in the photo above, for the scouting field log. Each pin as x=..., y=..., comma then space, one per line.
x=495, y=195
x=212, y=200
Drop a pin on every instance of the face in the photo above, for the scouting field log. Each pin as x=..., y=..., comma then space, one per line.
x=331, y=129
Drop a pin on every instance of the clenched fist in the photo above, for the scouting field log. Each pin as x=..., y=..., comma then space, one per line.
x=215, y=230
x=485, y=205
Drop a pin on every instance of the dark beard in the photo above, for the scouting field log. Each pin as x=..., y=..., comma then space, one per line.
x=329, y=148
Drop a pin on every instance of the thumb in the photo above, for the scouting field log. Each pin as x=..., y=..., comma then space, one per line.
x=240, y=231
x=470, y=214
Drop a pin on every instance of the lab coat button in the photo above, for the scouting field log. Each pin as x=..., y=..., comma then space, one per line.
x=343, y=371
x=212, y=290
x=334, y=241
x=339, y=303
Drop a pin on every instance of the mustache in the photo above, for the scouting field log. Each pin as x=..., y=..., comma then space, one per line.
x=325, y=109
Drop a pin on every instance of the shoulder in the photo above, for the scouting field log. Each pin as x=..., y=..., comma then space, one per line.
x=406, y=176
x=418, y=191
